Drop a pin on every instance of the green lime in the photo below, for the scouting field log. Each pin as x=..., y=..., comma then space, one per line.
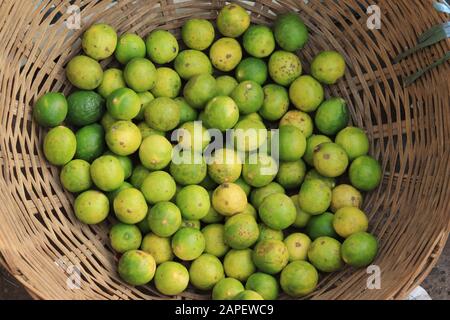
x=297, y=245
x=193, y=202
x=332, y=116
x=50, y=110
x=249, y=97
x=227, y=289
x=140, y=74
x=244, y=185
x=350, y=220
x=264, y=284
x=198, y=34
x=313, y=174
x=158, y=247
x=241, y=231
x=252, y=69
x=354, y=141
x=162, y=46
x=291, y=174
x=199, y=90
x=145, y=97
x=328, y=67
x=188, y=167
x=91, y=207
x=164, y=219
x=229, y=199
x=330, y=160
x=130, y=206
x=215, y=240
x=138, y=176
x=84, y=72
x=249, y=135
x=162, y=114
x=278, y=211
x=107, y=173
x=206, y=271
x=136, y=267
x=311, y=144
x=212, y=217
x=75, y=176
x=299, y=278
x=321, y=226
x=112, y=194
x=155, y=152
x=259, y=194
x=276, y=102
x=314, y=197
x=306, y=93
x=125, y=237
x=123, y=104
x=190, y=63
x=290, y=32
x=147, y=131
x=90, y=142
x=125, y=162
x=259, y=41
x=302, y=218
x=365, y=173
x=233, y=20
x=191, y=224
x=325, y=254
x=123, y=138
x=171, y=278
x=85, y=107
x=270, y=256
x=60, y=145
x=225, y=85
x=188, y=244
x=112, y=80
x=129, y=46
x=284, y=67
x=168, y=83
x=248, y=295
x=299, y=119
x=99, y=41
x=193, y=136
x=187, y=113
x=238, y=264
x=292, y=143
x=359, y=250
x=107, y=121
x=266, y=233
x=225, y=54
x=221, y=113
x=158, y=186
x=345, y=195
x=259, y=170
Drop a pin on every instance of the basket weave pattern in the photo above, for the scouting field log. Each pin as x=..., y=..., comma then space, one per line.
x=409, y=131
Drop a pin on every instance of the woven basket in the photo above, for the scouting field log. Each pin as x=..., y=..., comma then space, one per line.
x=409, y=130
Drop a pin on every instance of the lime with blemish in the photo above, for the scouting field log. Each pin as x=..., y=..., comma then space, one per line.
x=350, y=220
x=241, y=231
x=84, y=72
x=227, y=289
x=162, y=46
x=123, y=138
x=155, y=152
x=75, y=176
x=125, y=237
x=345, y=195
x=299, y=278
x=215, y=240
x=259, y=41
x=129, y=46
x=112, y=80
x=136, y=267
x=314, y=197
x=171, y=278
x=238, y=264
x=225, y=54
x=233, y=20
x=328, y=67
x=107, y=173
x=297, y=245
x=59, y=145
x=168, y=83
x=164, y=219
x=270, y=256
x=99, y=41
x=190, y=63
x=91, y=207
x=130, y=206
x=299, y=119
x=284, y=67
x=325, y=254
x=330, y=160
x=162, y=114
x=198, y=34
x=158, y=247
x=188, y=244
x=193, y=202
x=278, y=211
x=276, y=102
x=158, y=186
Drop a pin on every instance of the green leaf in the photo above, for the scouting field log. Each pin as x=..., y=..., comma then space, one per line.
x=442, y=6
x=409, y=80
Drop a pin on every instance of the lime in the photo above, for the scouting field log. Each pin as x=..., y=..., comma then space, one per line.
x=162, y=46
x=244, y=185
x=130, y=206
x=136, y=267
x=129, y=46
x=188, y=244
x=259, y=41
x=145, y=97
x=193, y=202
x=75, y=176
x=302, y=218
x=171, y=278
x=292, y=143
x=99, y=41
x=297, y=245
x=158, y=247
x=91, y=207
x=90, y=142
x=158, y=186
x=125, y=237
x=321, y=226
x=188, y=167
x=325, y=254
x=284, y=67
x=249, y=135
x=241, y=231
x=332, y=116
x=168, y=83
x=233, y=20
x=84, y=72
x=50, y=109
x=206, y=271
x=140, y=74
x=359, y=250
x=164, y=219
x=125, y=162
x=225, y=85
x=238, y=264
x=270, y=256
x=225, y=54
x=123, y=104
x=193, y=136
x=191, y=224
x=227, y=289
x=138, y=176
x=59, y=145
x=328, y=67
x=248, y=295
x=306, y=93
x=215, y=240
x=190, y=63
x=259, y=194
x=229, y=199
x=350, y=220
x=147, y=131
x=311, y=144
x=85, y=107
x=290, y=32
x=107, y=173
x=123, y=138
x=276, y=102
x=330, y=160
x=199, y=90
x=278, y=211
x=187, y=113
x=354, y=141
x=107, y=121
x=221, y=113
x=313, y=174
x=291, y=174
x=112, y=80
x=162, y=114
x=249, y=97
x=345, y=195
x=365, y=173
x=314, y=197
x=299, y=119
x=197, y=34
x=264, y=284
x=252, y=69
x=112, y=194
x=299, y=278
x=259, y=170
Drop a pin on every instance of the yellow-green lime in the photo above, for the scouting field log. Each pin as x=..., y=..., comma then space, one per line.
x=107, y=173
x=60, y=145
x=198, y=34
x=50, y=110
x=112, y=80
x=162, y=46
x=75, y=176
x=233, y=20
x=91, y=207
x=84, y=72
x=129, y=46
x=99, y=41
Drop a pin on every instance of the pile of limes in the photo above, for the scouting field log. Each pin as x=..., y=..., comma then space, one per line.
x=225, y=221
